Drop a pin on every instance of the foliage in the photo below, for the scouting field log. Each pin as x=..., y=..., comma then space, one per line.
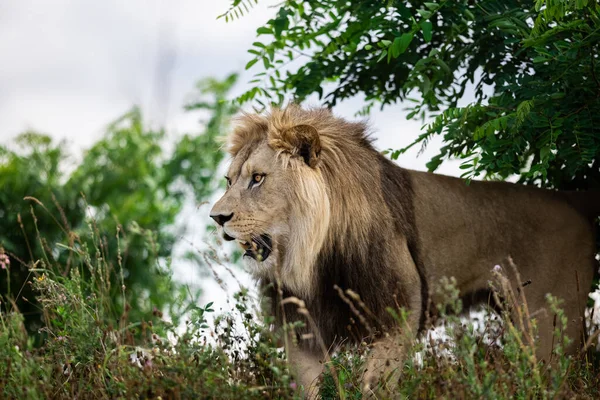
x=237, y=9
x=490, y=357
x=535, y=109
x=87, y=353
x=131, y=186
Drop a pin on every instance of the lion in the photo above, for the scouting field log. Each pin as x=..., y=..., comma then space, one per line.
x=322, y=216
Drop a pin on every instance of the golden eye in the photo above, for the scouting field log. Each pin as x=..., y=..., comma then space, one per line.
x=257, y=179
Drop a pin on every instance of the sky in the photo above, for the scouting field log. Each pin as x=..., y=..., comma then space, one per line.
x=70, y=67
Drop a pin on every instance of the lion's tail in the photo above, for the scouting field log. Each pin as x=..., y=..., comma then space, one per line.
x=587, y=202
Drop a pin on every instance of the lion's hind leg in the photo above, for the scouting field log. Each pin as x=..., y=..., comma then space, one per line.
x=570, y=287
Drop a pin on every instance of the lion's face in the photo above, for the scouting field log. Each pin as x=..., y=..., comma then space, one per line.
x=276, y=207
x=255, y=209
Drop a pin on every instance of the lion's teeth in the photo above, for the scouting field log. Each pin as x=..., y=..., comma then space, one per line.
x=244, y=243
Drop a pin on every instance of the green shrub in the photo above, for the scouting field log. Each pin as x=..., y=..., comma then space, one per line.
x=88, y=353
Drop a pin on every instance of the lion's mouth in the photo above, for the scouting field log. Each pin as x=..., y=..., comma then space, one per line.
x=259, y=247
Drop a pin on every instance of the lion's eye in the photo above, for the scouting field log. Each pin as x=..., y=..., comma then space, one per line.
x=228, y=181
x=257, y=179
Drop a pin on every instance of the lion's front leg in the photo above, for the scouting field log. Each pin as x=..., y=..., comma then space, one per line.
x=384, y=363
x=307, y=367
x=387, y=355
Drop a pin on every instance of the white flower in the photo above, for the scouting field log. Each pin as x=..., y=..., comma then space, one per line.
x=140, y=357
x=596, y=307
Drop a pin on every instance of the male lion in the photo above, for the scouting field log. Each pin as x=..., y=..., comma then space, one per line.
x=318, y=211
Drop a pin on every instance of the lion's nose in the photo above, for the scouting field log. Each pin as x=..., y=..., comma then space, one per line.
x=221, y=219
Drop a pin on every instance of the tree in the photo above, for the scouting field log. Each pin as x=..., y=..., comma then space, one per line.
x=538, y=58
x=116, y=203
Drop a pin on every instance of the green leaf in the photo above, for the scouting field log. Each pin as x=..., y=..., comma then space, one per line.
x=426, y=27
x=544, y=153
x=263, y=30
x=434, y=163
x=279, y=25
x=443, y=65
x=401, y=44
x=412, y=114
x=424, y=13
x=251, y=63
x=384, y=43
x=426, y=84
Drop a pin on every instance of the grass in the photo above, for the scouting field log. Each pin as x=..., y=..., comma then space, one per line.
x=86, y=351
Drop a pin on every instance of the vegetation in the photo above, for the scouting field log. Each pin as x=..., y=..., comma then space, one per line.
x=131, y=186
x=534, y=105
x=87, y=353
x=87, y=305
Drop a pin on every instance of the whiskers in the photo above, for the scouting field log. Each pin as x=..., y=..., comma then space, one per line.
x=259, y=239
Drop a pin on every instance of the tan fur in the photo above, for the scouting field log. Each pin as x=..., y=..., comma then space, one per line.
x=254, y=130
x=337, y=210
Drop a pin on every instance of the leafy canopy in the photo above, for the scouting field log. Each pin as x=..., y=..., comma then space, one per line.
x=538, y=117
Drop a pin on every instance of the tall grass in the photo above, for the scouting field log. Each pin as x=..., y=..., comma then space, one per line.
x=86, y=350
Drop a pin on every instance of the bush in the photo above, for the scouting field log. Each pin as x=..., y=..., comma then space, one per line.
x=134, y=188
x=87, y=353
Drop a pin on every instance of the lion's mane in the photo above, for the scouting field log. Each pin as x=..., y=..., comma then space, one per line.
x=360, y=203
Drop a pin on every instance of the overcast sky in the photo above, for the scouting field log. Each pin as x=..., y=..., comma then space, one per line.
x=70, y=67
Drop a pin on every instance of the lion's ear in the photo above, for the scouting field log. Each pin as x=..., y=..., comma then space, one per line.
x=304, y=140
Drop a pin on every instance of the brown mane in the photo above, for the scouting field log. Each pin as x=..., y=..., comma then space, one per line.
x=368, y=201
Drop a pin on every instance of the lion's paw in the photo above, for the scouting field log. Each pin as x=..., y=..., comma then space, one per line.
x=379, y=373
